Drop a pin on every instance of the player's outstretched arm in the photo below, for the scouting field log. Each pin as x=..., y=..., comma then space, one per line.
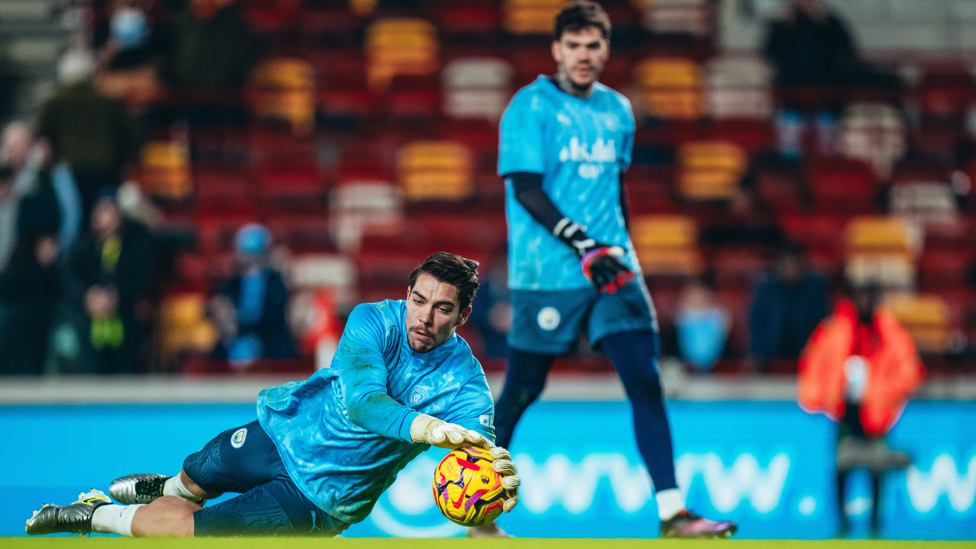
x=430, y=430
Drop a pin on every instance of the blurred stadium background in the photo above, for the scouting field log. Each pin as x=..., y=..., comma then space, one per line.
x=364, y=137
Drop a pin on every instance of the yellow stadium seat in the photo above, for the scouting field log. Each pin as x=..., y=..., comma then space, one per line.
x=435, y=170
x=164, y=170
x=284, y=89
x=400, y=45
x=881, y=249
x=926, y=317
x=667, y=245
x=530, y=16
x=880, y=234
x=670, y=88
x=183, y=326
x=710, y=170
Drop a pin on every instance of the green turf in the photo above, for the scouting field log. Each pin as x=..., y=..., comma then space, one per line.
x=392, y=543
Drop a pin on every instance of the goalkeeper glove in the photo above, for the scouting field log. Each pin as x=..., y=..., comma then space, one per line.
x=598, y=261
x=430, y=430
x=505, y=467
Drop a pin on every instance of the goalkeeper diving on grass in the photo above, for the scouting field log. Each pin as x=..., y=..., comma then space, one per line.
x=323, y=450
x=565, y=143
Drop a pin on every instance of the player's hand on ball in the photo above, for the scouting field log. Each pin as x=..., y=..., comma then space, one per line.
x=504, y=466
x=604, y=270
x=430, y=430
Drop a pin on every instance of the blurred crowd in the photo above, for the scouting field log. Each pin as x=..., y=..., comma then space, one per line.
x=89, y=253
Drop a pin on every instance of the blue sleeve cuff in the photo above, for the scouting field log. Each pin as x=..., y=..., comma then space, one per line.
x=404, y=433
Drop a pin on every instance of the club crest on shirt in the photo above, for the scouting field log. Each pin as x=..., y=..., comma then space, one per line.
x=418, y=395
x=237, y=439
x=549, y=318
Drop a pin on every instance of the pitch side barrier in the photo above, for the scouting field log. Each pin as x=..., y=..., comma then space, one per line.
x=744, y=450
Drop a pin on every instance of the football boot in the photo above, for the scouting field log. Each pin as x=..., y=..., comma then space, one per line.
x=133, y=489
x=75, y=518
x=689, y=525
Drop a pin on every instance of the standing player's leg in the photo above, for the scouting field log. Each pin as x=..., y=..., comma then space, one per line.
x=524, y=382
x=634, y=354
x=624, y=326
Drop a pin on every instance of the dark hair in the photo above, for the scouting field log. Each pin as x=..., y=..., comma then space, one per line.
x=580, y=14
x=6, y=174
x=453, y=269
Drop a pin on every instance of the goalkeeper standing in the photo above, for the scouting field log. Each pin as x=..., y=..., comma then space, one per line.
x=565, y=141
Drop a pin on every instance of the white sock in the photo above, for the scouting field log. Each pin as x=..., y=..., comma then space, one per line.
x=174, y=487
x=114, y=519
x=669, y=503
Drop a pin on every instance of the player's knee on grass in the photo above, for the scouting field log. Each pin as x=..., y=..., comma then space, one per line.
x=277, y=508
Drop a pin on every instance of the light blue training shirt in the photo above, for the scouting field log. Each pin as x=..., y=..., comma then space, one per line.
x=580, y=146
x=344, y=433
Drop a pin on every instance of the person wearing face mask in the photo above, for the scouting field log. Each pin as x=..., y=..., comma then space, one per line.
x=859, y=368
x=565, y=142
x=323, y=450
x=251, y=310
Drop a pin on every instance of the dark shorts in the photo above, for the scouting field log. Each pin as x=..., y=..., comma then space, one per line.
x=245, y=460
x=550, y=322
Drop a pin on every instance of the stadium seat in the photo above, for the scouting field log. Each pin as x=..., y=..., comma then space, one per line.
x=924, y=202
x=670, y=88
x=358, y=205
x=710, y=170
x=284, y=89
x=739, y=88
x=691, y=17
x=435, y=170
x=667, y=245
x=521, y=17
x=874, y=133
x=164, y=170
x=842, y=185
x=477, y=87
x=183, y=326
x=926, y=317
x=400, y=45
x=881, y=249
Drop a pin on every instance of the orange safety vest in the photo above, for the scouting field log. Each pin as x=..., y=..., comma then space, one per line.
x=894, y=368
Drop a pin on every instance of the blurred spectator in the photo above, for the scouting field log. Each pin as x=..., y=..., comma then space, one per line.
x=702, y=327
x=250, y=311
x=43, y=188
x=89, y=130
x=127, y=39
x=212, y=46
x=491, y=312
x=859, y=368
x=809, y=48
x=787, y=306
x=130, y=45
x=111, y=270
x=8, y=215
x=816, y=64
x=30, y=292
x=744, y=223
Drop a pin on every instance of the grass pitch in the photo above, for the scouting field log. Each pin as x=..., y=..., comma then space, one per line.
x=454, y=543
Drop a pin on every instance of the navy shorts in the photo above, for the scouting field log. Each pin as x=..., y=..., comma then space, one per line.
x=550, y=322
x=245, y=460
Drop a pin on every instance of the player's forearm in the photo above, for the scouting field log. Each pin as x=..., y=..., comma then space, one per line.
x=528, y=192
x=378, y=413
